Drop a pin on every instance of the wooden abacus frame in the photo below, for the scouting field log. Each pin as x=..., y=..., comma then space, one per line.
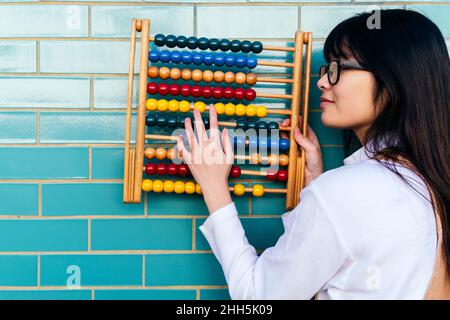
x=134, y=157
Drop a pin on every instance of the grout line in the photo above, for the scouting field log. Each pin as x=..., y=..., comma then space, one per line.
x=40, y=200
x=143, y=270
x=92, y=294
x=90, y=162
x=146, y=204
x=89, y=235
x=299, y=21
x=38, y=271
x=38, y=128
x=89, y=21
x=195, y=25
x=105, y=252
x=38, y=56
x=197, y=294
x=124, y=287
x=91, y=94
x=193, y=234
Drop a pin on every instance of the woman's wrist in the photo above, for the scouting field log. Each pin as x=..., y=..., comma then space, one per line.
x=217, y=196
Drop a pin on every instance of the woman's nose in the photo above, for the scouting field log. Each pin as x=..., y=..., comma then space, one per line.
x=323, y=83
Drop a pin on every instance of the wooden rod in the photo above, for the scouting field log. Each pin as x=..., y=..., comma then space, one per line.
x=274, y=95
x=278, y=48
x=274, y=80
x=275, y=64
x=269, y=190
x=233, y=124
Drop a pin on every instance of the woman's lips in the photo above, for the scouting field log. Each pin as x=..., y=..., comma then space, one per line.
x=324, y=102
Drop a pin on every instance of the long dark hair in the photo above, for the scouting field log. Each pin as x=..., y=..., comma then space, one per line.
x=410, y=63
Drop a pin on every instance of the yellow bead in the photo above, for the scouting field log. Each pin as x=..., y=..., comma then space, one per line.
x=258, y=190
x=163, y=105
x=190, y=187
x=261, y=111
x=147, y=185
x=173, y=105
x=230, y=109
x=184, y=106
x=220, y=108
x=179, y=187
x=240, y=110
x=151, y=104
x=239, y=189
x=251, y=110
x=158, y=186
x=200, y=106
x=198, y=190
x=168, y=186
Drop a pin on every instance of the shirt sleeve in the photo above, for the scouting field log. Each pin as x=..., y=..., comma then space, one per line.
x=304, y=259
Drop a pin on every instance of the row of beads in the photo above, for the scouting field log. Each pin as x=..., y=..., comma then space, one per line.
x=261, y=142
x=170, y=186
x=198, y=75
x=208, y=59
x=197, y=91
x=171, y=169
x=280, y=175
x=228, y=109
x=213, y=44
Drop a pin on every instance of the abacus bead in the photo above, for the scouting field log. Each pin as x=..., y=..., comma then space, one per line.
x=160, y=40
x=284, y=144
x=228, y=93
x=147, y=185
x=206, y=122
x=153, y=72
x=282, y=175
x=150, y=120
x=241, y=124
x=172, y=122
x=200, y=106
x=272, y=175
x=255, y=158
x=149, y=152
x=229, y=77
x=186, y=57
x=171, y=154
x=171, y=41
x=213, y=44
x=179, y=187
x=219, y=59
x=183, y=170
x=158, y=186
x=186, y=74
x=273, y=159
x=173, y=105
x=219, y=76
x=203, y=43
x=241, y=61
x=239, y=93
x=208, y=76
x=257, y=47
x=251, y=62
x=230, y=60
x=181, y=42
x=198, y=189
x=273, y=125
x=252, y=124
x=197, y=58
x=196, y=91
x=240, y=108
x=163, y=89
x=261, y=111
x=161, y=169
x=251, y=79
x=250, y=94
x=208, y=59
x=197, y=75
x=284, y=160
x=168, y=186
x=165, y=56
x=151, y=104
x=261, y=125
x=152, y=88
x=175, y=74
x=235, y=172
x=224, y=45
x=207, y=92
x=192, y=43
x=184, y=106
x=174, y=89
x=172, y=169
x=240, y=78
x=235, y=46
x=258, y=190
x=161, y=121
x=246, y=46
x=230, y=109
x=150, y=168
x=220, y=108
x=190, y=187
x=153, y=56
x=175, y=57
x=160, y=153
x=251, y=110
x=238, y=189
x=164, y=73
x=185, y=90
x=218, y=92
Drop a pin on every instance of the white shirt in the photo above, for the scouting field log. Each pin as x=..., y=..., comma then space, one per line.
x=359, y=232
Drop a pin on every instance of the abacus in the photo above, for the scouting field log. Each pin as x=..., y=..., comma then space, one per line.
x=241, y=55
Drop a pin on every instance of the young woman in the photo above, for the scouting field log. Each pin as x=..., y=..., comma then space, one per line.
x=366, y=230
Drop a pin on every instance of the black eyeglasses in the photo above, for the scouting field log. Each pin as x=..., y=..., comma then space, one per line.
x=333, y=69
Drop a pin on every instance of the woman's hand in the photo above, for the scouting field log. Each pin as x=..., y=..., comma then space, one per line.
x=314, y=162
x=208, y=161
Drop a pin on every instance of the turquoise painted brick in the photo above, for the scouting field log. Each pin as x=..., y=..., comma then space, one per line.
x=86, y=199
x=261, y=233
x=439, y=14
x=18, y=270
x=18, y=56
x=115, y=21
x=138, y=234
x=270, y=203
x=247, y=21
x=183, y=269
x=298, y=1
x=84, y=127
x=44, y=92
x=332, y=157
x=43, y=163
x=107, y=163
x=45, y=294
x=43, y=235
x=112, y=92
x=18, y=127
x=18, y=199
x=314, y=94
x=95, y=270
x=44, y=21
x=317, y=58
x=215, y=294
x=86, y=56
x=325, y=135
x=145, y=294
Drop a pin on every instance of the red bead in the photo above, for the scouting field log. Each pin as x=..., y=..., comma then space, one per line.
x=271, y=175
x=152, y=88
x=239, y=93
x=228, y=93
x=163, y=89
x=150, y=168
x=161, y=168
x=185, y=90
x=196, y=91
x=207, y=92
x=174, y=89
x=282, y=175
x=183, y=170
x=250, y=94
x=172, y=169
x=218, y=92
x=235, y=172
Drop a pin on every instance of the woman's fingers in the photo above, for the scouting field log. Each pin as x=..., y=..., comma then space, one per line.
x=199, y=126
x=213, y=125
x=304, y=142
x=227, y=146
x=186, y=155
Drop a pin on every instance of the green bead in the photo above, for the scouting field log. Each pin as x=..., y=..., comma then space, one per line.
x=150, y=120
x=160, y=40
x=261, y=125
x=246, y=46
x=171, y=41
x=214, y=44
x=252, y=124
x=172, y=122
x=241, y=124
x=181, y=42
x=203, y=43
x=192, y=43
x=161, y=121
x=224, y=45
x=235, y=46
x=257, y=47
x=273, y=125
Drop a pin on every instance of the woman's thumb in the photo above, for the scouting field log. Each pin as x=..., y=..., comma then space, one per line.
x=303, y=141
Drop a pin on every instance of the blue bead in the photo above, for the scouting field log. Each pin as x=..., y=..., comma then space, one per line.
x=153, y=55
x=208, y=59
x=241, y=61
x=253, y=142
x=186, y=57
x=230, y=60
x=239, y=141
x=252, y=61
x=197, y=58
x=219, y=59
x=164, y=56
x=284, y=144
x=274, y=144
x=176, y=57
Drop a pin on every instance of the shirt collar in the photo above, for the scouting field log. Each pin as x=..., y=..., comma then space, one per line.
x=366, y=151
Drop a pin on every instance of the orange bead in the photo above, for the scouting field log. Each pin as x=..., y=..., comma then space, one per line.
x=229, y=77
x=240, y=78
x=186, y=74
x=197, y=75
x=284, y=160
x=175, y=73
x=164, y=73
x=208, y=76
x=273, y=159
x=161, y=153
x=219, y=76
x=255, y=158
x=171, y=153
x=149, y=153
x=153, y=72
x=251, y=78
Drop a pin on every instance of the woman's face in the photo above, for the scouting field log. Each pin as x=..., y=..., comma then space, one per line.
x=351, y=105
